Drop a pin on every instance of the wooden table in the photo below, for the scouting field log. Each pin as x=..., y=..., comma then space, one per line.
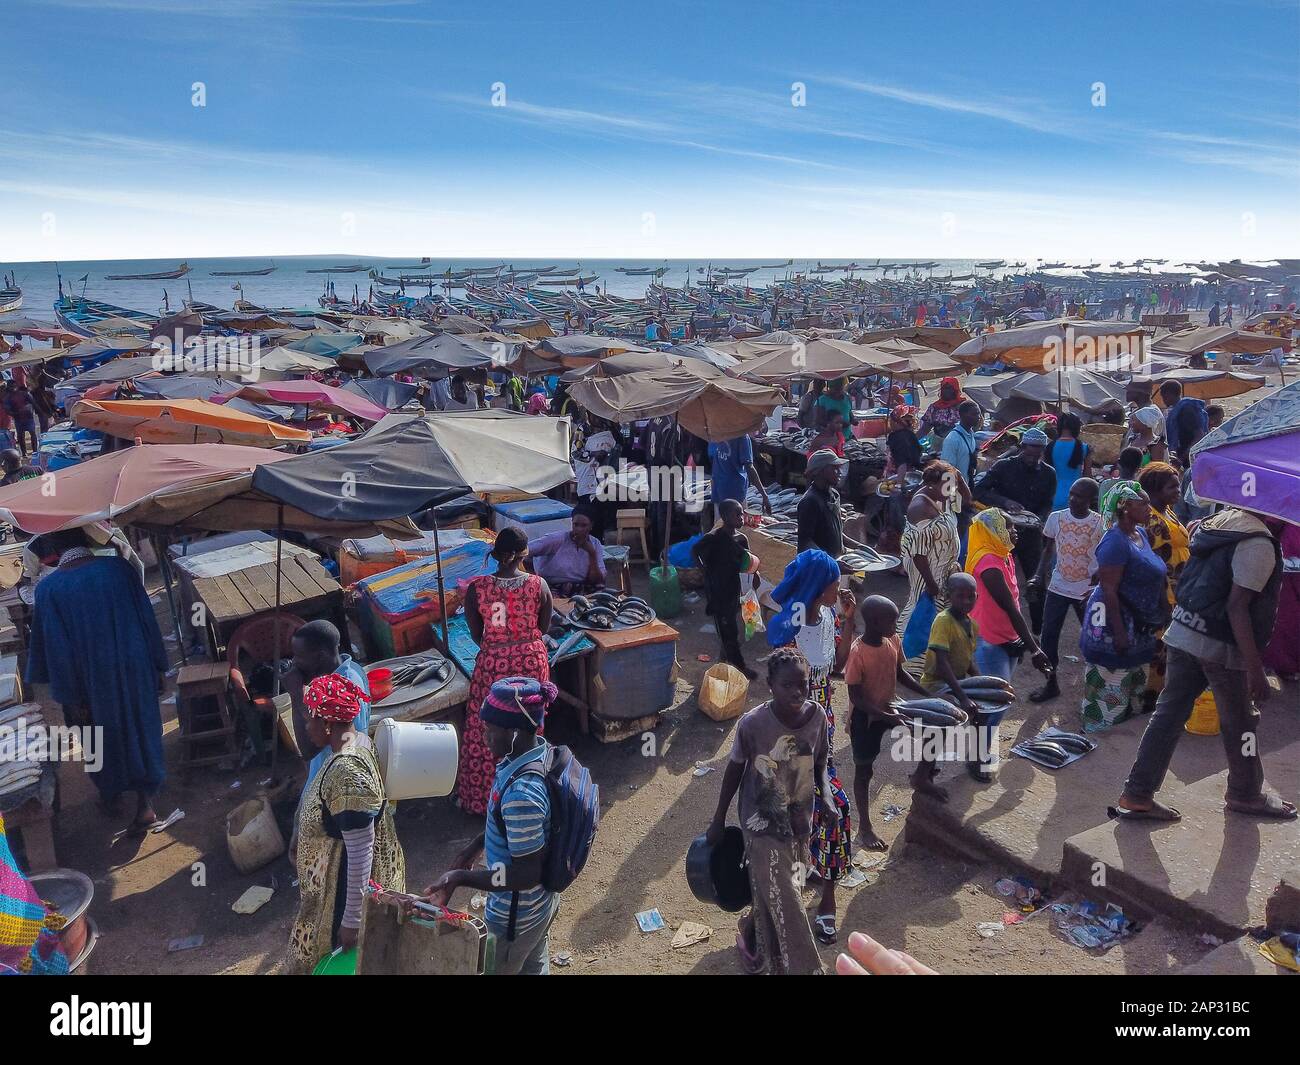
x=306, y=589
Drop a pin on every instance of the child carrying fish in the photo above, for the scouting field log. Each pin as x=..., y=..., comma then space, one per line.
x=873, y=671
x=780, y=750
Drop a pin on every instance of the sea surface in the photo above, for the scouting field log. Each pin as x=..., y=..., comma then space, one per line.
x=292, y=286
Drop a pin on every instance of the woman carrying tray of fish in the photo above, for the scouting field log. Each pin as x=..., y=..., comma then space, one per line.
x=808, y=594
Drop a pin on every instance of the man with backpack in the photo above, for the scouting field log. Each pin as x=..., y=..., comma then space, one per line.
x=1226, y=604
x=541, y=823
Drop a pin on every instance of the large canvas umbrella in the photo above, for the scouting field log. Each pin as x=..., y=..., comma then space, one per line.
x=497, y=450
x=383, y=391
x=817, y=357
x=1053, y=344
x=310, y=394
x=1199, y=340
x=182, y=421
x=111, y=487
x=438, y=356
x=1253, y=460
x=719, y=409
x=1206, y=384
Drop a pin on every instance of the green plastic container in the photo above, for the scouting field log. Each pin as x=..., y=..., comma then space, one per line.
x=665, y=591
x=340, y=963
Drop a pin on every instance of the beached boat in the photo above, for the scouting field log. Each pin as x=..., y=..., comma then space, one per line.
x=777, y=266
x=551, y=279
x=164, y=275
x=991, y=264
x=244, y=273
x=88, y=318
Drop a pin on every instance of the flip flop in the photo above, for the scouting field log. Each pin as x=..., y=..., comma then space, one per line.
x=1273, y=806
x=1157, y=812
x=825, y=933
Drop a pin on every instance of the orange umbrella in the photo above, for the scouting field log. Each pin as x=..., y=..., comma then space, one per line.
x=183, y=421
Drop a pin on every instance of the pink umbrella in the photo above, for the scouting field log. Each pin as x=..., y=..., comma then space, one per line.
x=311, y=394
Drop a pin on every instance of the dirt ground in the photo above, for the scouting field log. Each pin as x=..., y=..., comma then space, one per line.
x=181, y=882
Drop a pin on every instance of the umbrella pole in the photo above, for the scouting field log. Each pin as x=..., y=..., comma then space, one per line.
x=275, y=690
x=442, y=594
x=163, y=561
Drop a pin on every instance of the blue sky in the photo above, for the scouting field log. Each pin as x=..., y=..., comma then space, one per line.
x=657, y=130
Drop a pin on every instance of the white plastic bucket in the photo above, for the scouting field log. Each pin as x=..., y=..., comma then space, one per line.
x=252, y=836
x=418, y=758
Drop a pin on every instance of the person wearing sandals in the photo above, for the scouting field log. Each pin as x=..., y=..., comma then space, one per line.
x=808, y=594
x=780, y=750
x=1224, y=614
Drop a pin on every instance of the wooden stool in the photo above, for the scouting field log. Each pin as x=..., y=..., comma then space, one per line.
x=203, y=710
x=634, y=522
x=34, y=821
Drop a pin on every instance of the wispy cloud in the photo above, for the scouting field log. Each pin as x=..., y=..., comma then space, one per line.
x=1000, y=111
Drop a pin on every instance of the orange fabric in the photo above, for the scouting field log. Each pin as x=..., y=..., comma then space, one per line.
x=182, y=421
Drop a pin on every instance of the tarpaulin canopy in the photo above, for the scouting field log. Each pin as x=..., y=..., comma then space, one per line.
x=112, y=372
x=330, y=344
x=105, y=347
x=436, y=357
x=290, y=360
x=311, y=394
x=907, y=358
x=715, y=357
x=182, y=421
x=114, y=487
x=397, y=328
x=718, y=409
x=1043, y=346
x=1253, y=460
x=383, y=391
x=389, y=474
x=21, y=325
x=1084, y=389
x=1199, y=340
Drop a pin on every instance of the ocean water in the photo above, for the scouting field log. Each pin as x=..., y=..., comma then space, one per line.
x=292, y=286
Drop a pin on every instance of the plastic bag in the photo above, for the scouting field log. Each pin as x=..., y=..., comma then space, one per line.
x=751, y=614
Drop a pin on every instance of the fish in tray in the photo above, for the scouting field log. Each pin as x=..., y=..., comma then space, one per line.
x=1045, y=751
x=938, y=712
x=420, y=669
x=609, y=610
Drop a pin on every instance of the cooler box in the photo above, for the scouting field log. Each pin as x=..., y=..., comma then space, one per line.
x=533, y=517
x=396, y=609
x=379, y=554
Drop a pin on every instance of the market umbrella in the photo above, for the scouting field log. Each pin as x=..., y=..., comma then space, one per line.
x=718, y=409
x=1253, y=460
x=438, y=356
x=311, y=394
x=330, y=345
x=497, y=450
x=1053, y=344
x=1205, y=384
x=290, y=360
x=111, y=487
x=183, y=386
x=818, y=357
x=944, y=339
x=182, y=421
x=909, y=359
x=383, y=391
x=641, y=362
x=1199, y=340
x=579, y=349
x=715, y=357
x=21, y=325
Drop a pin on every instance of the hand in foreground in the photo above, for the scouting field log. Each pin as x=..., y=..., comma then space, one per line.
x=870, y=958
x=347, y=938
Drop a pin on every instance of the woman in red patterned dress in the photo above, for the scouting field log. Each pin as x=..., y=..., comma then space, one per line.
x=507, y=612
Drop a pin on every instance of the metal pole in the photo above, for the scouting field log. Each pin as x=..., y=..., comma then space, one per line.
x=442, y=595
x=163, y=562
x=275, y=667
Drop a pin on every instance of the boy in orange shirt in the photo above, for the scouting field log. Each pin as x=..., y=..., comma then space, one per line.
x=874, y=668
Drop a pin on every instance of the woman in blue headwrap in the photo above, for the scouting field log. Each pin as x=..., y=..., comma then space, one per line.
x=807, y=596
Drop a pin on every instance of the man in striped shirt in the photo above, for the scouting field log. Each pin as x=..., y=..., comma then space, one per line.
x=520, y=910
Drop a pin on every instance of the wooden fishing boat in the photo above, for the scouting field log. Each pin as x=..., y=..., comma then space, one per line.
x=355, y=268
x=551, y=279
x=88, y=318
x=424, y=264
x=165, y=275
x=244, y=273
x=11, y=296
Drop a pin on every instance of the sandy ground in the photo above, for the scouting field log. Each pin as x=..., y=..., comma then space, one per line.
x=182, y=883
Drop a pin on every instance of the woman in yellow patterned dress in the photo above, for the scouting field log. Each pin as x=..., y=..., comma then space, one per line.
x=1161, y=482
x=346, y=836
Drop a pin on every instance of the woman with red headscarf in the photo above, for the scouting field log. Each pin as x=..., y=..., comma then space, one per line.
x=345, y=827
x=942, y=413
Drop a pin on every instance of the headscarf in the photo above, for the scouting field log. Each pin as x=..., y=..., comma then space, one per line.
x=989, y=535
x=538, y=403
x=806, y=577
x=332, y=697
x=904, y=415
x=945, y=404
x=1116, y=496
x=518, y=703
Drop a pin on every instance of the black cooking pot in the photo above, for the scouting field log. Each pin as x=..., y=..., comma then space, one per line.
x=717, y=875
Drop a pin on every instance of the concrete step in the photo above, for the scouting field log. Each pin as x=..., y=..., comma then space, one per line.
x=1214, y=870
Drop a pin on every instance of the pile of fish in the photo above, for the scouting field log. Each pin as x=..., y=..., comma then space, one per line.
x=418, y=669
x=783, y=501
x=28, y=747
x=987, y=692
x=792, y=439
x=786, y=531
x=858, y=449
x=609, y=610
x=1055, y=748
